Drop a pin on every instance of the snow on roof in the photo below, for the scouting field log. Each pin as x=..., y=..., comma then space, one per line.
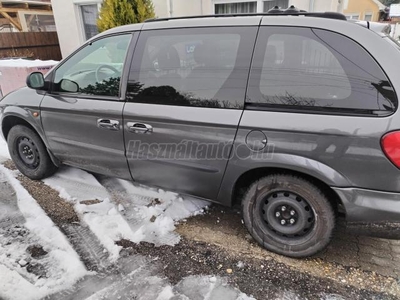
x=26, y=63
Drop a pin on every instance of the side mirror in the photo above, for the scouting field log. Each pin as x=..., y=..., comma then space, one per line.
x=70, y=86
x=35, y=81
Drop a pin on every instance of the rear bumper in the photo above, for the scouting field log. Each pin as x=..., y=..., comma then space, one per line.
x=370, y=212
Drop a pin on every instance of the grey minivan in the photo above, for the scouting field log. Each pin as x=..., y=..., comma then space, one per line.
x=292, y=114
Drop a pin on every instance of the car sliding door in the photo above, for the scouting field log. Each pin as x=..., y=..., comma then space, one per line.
x=185, y=97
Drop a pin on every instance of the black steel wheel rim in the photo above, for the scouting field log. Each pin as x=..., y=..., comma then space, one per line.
x=286, y=214
x=28, y=152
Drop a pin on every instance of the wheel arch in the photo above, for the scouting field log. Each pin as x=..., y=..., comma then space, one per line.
x=244, y=180
x=11, y=120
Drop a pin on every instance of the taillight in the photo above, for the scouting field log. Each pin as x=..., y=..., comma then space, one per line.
x=391, y=146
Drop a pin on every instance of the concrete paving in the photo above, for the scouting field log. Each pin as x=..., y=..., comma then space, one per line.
x=381, y=256
x=359, y=261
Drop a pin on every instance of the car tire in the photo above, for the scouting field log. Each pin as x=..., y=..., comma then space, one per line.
x=288, y=215
x=29, y=153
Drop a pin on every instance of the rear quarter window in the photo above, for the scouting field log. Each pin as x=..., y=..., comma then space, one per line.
x=317, y=70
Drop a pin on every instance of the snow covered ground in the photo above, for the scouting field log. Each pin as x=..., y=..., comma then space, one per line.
x=25, y=224
x=109, y=210
x=130, y=212
x=4, y=155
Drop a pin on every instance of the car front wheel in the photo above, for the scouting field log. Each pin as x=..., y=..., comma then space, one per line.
x=288, y=215
x=29, y=153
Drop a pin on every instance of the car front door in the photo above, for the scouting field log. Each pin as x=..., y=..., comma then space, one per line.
x=185, y=98
x=82, y=115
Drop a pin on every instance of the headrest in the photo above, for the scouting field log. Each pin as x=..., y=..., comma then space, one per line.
x=271, y=55
x=168, y=59
x=206, y=54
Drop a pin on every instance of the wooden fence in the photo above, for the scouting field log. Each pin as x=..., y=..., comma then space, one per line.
x=35, y=45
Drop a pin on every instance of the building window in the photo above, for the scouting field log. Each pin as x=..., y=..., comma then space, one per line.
x=233, y=8
x=39, y=22
x=272, y=3
x=353, y=17
x=89, y=18
x=368, y=17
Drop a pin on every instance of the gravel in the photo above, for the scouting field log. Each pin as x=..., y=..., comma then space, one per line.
x=55, y=207
x=264, y=279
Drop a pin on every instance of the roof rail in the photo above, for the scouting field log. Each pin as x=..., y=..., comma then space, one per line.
x=327, y=15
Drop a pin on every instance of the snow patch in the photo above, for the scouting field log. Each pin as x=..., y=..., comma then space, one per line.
x=14, y=286
x=288, y=295
x=108, y=225
x=201, y=287
x=102, y=218
x=166, y=293
x=75, y=184
x=148, y=214
x=67, y=267
x=4, y=154
x=157, y=216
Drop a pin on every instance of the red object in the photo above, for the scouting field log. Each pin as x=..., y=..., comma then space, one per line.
x=391, y=147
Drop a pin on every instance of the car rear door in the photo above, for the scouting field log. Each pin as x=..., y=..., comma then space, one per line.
x=185, y=98
x=82, y=116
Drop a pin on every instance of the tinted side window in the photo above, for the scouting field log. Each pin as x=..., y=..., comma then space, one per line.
x=205, y=67
x=317, y=70
x=95, y=69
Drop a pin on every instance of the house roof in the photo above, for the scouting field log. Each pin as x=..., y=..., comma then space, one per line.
x=380, y=4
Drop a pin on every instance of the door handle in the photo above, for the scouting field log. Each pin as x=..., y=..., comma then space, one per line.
x=136, y=127
x=108, y=124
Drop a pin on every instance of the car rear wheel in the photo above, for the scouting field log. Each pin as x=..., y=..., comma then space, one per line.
x=288, y=215
x=29, y=153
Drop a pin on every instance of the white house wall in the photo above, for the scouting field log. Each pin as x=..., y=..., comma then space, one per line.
x=185, y=7
x=161, y=8
x=69, y=25
x=301, y=4
x=316, y=5
x=324, y=5
x=177, y=8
